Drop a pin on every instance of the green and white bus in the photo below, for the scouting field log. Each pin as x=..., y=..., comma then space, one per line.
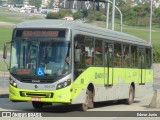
x=58, y=61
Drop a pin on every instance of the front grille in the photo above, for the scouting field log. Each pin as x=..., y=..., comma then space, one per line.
x=25, y=80
x=36, y=79
x=36, y=94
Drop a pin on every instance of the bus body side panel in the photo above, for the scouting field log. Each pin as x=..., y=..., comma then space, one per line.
x=93, y=75
x=96, y=76
x=122, y=79
x=142, y=89
x=122, y=83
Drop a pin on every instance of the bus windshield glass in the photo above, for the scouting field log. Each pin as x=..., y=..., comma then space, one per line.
x=40, y=57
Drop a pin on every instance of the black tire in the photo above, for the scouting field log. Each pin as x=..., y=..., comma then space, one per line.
x=37, y=105
x=88, y=101
x=130, y=99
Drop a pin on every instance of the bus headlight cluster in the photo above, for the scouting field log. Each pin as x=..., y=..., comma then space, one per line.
x=13, y=83
x=64, y=84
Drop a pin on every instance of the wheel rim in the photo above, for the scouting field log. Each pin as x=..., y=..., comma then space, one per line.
x=87, y=100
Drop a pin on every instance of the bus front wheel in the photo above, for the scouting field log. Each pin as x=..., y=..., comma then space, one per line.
x=88, y=101
x=37, y=105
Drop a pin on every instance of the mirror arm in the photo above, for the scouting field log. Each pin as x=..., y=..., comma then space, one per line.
x=5, y=53
x=6, y=64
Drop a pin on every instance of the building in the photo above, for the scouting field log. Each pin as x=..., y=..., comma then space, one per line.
x=56, y=7
x=45, y=3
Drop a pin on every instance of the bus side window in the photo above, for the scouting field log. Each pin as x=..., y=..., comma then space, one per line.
x=126, y=56
x=148, y=58
x=79, y=52
x=79, y=56
x=134, y=56
x=98, y=53
x=141, y=57
x=89, y=51
x=117, y=55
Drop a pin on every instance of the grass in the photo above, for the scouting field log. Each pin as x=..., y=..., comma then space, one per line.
x=5, y=35
x=144, y=34
x=140, y=32
x=9, y=18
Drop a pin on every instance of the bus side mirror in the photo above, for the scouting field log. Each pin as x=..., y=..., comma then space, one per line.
x=5, y=51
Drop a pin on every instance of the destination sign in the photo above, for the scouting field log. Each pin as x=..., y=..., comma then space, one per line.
x=40, y=33
x=83, y=4
x=29, y=33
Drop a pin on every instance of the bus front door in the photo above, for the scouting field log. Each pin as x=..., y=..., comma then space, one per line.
x=108, y=62
x=142, y=66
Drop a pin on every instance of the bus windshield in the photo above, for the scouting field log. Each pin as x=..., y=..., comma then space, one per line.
x=40, y=57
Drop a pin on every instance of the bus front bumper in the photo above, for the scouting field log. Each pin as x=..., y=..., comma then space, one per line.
x=58, y=96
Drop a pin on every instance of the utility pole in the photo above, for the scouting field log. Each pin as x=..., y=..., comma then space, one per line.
x=113, y=14
x=107, y=16
x=150, y=31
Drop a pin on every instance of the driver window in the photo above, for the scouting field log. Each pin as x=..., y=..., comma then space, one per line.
x=47, y=54
x=32, y=56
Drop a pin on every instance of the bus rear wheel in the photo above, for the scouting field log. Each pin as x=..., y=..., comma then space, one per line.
x=88, y=101
x=130, y=99
x=37, y=105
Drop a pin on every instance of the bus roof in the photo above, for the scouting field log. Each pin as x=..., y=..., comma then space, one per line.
x=73, y=25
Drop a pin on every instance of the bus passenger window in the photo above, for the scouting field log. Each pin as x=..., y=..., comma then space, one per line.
x=117, y=55
x=134, y=56
x=126, y=56
x=98, y=53
x=110, y=55
x=148, y=58
x=89, y=50
x=141, y=58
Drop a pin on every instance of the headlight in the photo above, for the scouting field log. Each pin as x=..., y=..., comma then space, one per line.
x=64, y=84
x=13, y=83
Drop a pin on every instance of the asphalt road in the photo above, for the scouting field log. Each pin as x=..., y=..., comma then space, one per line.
x=114, y=109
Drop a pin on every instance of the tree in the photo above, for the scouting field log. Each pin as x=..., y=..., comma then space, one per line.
x=141, y=10
x=36, y=3
x=63, y=13
x=50, y=5
x=77, y=15
x=52, y=15
x=157, y=12
x=59, y=15
x=96, y=16
x=129, y=14
x=16, y=1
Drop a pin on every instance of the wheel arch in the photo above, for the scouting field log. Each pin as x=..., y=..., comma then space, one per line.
x=91, y=88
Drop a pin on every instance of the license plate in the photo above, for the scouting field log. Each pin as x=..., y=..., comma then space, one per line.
x=36, y=99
